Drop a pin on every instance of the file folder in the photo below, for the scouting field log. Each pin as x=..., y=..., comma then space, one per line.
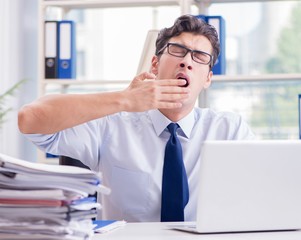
x=66, y=49
x=49, y=155
x=219, y=23
x=50, y=48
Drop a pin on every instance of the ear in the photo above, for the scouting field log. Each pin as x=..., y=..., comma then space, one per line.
x=208, y=80
x=155, y=62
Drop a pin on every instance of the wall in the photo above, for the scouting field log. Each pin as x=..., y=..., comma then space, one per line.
x=18, y=51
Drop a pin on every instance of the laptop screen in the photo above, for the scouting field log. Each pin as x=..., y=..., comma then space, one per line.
x=249, y=186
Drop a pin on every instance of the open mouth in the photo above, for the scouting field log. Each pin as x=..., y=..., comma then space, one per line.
x=187, y=83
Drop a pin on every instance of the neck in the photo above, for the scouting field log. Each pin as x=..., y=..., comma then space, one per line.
x=175, y=115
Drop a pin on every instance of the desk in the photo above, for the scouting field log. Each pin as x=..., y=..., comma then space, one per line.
x=161, y=231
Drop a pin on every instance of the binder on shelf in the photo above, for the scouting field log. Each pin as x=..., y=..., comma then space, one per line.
x=66, y=49
x=219, y=23
x=51, y=60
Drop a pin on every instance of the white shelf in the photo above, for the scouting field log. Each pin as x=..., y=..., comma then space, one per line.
x=83, y=82
x=73, y=4
x=218, y=78
x=255, y=78
x=235, y=1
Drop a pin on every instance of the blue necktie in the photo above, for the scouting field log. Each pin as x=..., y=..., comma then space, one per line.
x=175, y=192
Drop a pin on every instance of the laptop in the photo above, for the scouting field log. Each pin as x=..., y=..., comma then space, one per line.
x=247, y=186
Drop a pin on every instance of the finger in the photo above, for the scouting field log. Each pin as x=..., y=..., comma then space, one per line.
x=172, y=82
x=174, y=89
x=173, y=97
x=145, y=75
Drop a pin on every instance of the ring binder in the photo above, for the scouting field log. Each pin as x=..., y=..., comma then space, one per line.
x=219, y=23
x=66, y=49
x=51, y=49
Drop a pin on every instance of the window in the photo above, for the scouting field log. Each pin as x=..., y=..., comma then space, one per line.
x=113, y=38
x=269, y=106
x=262, y=37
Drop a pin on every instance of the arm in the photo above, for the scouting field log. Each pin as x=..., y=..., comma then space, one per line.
x=50, y=114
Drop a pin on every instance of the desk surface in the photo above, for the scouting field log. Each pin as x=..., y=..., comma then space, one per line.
x=162, y=231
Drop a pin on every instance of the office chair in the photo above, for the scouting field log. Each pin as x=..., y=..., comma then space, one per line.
x=63, y=160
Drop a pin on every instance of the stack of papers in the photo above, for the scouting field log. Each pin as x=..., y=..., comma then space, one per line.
x=41, y=201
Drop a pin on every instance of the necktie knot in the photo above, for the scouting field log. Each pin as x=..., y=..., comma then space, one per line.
x=172, y=127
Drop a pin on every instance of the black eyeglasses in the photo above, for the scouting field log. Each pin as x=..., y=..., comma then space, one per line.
x=179, y=50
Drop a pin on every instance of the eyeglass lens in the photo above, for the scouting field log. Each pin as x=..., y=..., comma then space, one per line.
x=181, y=51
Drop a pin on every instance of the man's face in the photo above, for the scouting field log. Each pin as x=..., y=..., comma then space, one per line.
x=198, y=75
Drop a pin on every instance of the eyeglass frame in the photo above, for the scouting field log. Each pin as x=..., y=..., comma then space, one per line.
x=187, y=51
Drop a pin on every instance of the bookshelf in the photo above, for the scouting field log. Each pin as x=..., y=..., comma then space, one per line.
x=66, y=5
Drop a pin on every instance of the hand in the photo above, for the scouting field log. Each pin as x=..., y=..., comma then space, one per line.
x=146, y=92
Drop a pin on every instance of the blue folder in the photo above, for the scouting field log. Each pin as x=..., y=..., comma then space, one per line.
x=219, y=23
x=66, y=49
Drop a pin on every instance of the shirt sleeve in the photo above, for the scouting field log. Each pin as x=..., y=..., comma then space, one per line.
x=243, y=132
x=238, y=128
x=81, y=142
x=229, y=126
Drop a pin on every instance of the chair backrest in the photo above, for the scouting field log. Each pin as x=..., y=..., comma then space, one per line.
x=63, y=160
x=148, y=51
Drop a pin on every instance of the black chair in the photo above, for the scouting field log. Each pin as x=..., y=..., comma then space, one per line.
x=63, y=160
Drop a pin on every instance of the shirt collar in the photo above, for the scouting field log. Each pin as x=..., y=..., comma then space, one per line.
x=160, y=122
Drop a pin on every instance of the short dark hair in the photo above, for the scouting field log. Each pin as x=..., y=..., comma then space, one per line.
x=191, y=24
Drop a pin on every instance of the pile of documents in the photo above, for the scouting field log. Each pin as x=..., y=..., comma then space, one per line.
x=41, y=201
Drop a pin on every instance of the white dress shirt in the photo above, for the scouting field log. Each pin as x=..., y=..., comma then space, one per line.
x=128, y=148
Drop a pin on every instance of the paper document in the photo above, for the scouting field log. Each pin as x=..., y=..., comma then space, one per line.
x=103, y=226
x=40, y=201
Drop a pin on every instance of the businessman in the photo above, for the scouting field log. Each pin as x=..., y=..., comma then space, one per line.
x=129, y=135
